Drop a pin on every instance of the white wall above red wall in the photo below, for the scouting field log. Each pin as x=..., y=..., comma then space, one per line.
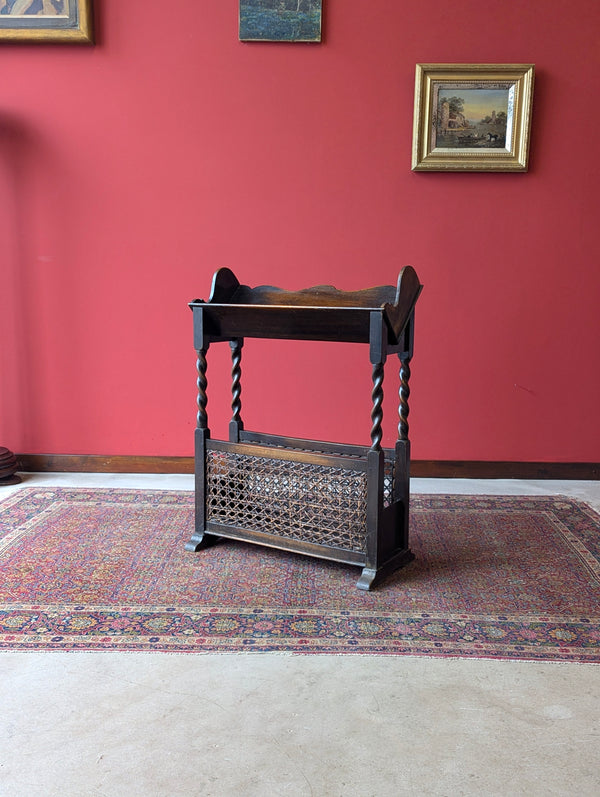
x=130, y=171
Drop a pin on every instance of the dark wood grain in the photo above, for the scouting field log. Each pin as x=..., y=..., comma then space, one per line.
x=420, y=468
x=92, y=463
x=322, y=312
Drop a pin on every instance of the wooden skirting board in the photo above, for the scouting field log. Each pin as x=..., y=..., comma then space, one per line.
x=420, y=468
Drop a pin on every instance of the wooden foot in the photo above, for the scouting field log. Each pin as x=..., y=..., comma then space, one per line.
x=200, y=541
x=8, y=467
x=372, y=576
x=10, y=480
x=367, y=577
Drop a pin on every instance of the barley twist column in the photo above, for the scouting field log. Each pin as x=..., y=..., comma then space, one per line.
x=377, y=410
x=403, y=408
x=202, y=401
x=236, y=386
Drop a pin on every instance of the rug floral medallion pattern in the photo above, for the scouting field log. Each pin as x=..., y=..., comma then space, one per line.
x=494, y=577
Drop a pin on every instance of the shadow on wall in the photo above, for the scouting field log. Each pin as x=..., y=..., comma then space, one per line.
x=32, y=216
x=15, y=384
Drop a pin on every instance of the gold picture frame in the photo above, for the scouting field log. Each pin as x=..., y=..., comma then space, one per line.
x=46, y=21
x=472, y=117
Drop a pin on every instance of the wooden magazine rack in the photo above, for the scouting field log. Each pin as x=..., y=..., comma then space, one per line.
x=346, y=503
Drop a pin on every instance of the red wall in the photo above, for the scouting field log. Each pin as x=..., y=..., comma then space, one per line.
x=131, y=170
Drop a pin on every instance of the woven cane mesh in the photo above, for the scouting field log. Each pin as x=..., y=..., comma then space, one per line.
x=298, y=500
x=389, y=468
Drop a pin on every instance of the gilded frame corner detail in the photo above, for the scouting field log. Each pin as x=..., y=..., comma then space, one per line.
x=472, y=117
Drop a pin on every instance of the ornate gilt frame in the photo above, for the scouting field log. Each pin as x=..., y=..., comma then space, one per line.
x=438, y=144
x=75, y=25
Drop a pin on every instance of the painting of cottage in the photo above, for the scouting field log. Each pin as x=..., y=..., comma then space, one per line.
x=280, y=20
x=473, y=118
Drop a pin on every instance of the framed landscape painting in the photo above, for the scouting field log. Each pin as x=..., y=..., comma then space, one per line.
x=472, y=117
x=46, y=21
x=280, y=20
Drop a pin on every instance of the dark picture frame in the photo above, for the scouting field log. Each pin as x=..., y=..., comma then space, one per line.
x=280, y=20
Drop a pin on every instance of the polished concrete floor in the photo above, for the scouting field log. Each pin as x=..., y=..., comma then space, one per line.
x=110, y=724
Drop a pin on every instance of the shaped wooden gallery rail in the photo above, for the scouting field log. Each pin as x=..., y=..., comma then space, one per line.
x=346, y=503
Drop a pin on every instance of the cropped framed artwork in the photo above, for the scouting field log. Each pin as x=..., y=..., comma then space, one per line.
x=280, y=20
x=472, y=117
x=46, y=21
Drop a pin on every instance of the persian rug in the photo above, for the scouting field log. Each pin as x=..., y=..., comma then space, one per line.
x=106, y=569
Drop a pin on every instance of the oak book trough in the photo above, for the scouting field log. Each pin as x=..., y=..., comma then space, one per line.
x=346, y=503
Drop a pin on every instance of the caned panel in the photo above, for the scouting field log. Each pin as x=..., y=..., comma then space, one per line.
x=301, y=500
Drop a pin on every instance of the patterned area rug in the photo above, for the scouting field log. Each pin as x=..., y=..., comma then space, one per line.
x=106, y=569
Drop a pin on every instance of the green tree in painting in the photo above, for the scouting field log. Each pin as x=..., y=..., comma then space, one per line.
x=280, y=20
x=455, y=104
